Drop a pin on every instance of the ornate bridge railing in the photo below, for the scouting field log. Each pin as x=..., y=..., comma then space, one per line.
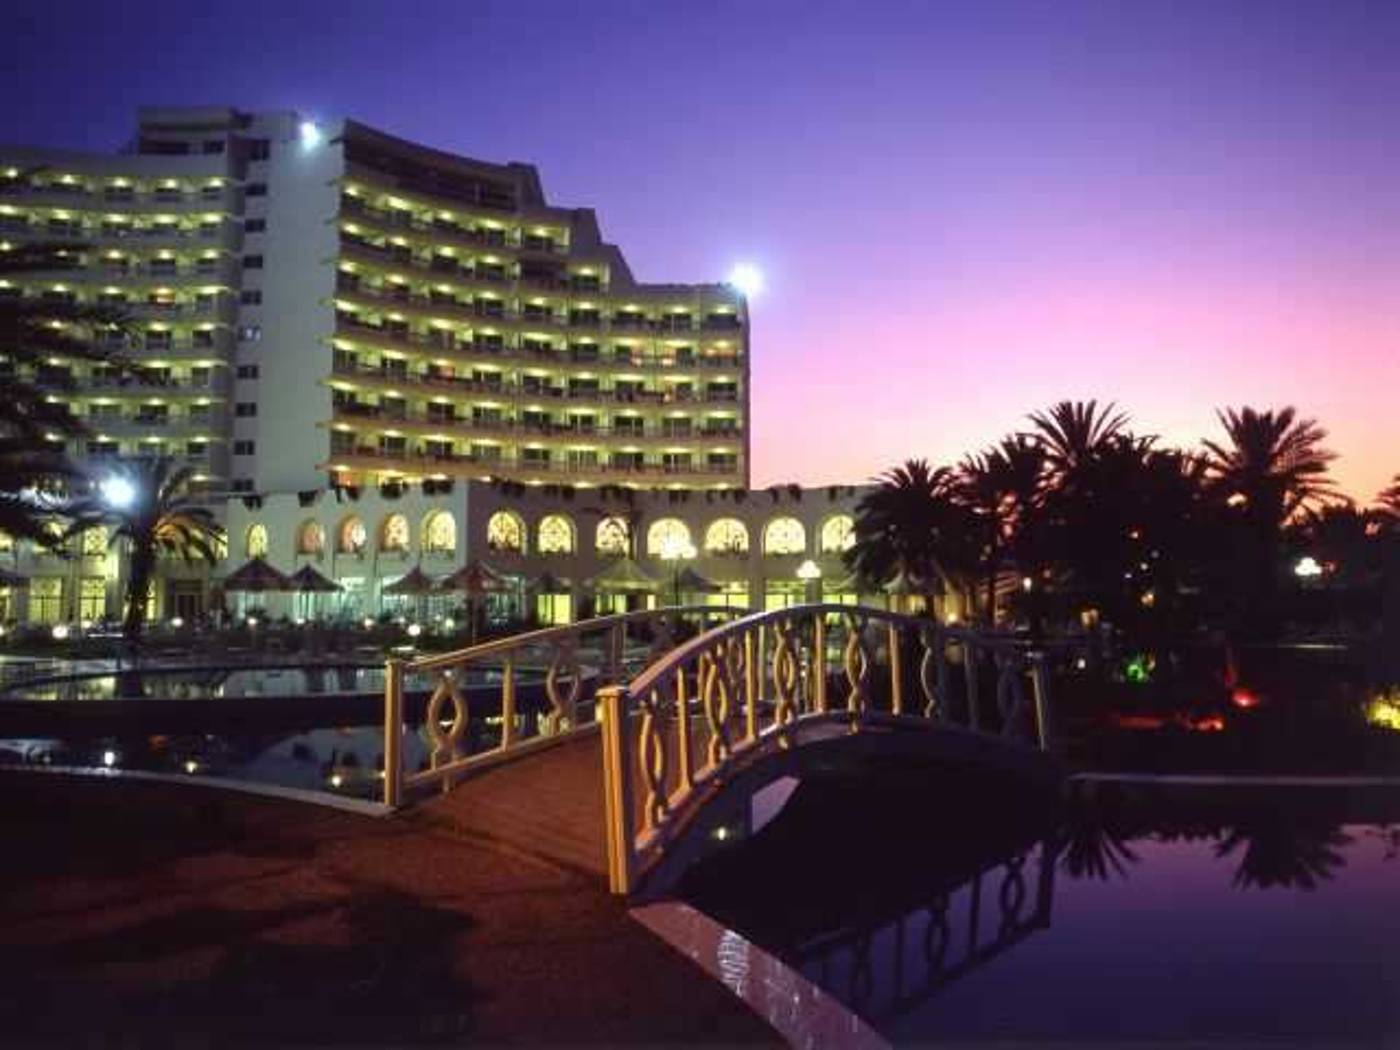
x=887, y=970
x=541, y=685
x=778, y=679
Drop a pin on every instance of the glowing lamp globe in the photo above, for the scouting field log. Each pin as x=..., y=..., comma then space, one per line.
x=747, y=278
x=310, y=134
x=118, y=492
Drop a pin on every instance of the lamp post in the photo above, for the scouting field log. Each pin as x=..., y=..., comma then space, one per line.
x=810, y=573
x=675, y=550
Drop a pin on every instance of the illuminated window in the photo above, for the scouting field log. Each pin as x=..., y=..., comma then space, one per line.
x=311, y=538
x=7, y=543
x=393, y=535
x=556, y=535
x=727, y=536
x=352, y=535
x=611, y=536
x=256, y=542
x=505, y=532
x=439, y=533
x=94, y=541
x=838, y=534
x=784, y=536
x=92, y=598
x=666, y=536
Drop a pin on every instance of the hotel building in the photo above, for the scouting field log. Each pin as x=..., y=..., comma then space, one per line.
x=329, y=303
x=323, y=311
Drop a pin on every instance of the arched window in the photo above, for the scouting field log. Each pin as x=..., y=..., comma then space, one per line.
x=667, y=538
x=439, y=533
x=311, y=538
x=94, y=541
x=393, y=534
x=256, y=541
x=611, y=536
x=505, y=532
x=555, y=535
x=838, y=534
x=784, y=536
x=352, y=535
x=727, y=536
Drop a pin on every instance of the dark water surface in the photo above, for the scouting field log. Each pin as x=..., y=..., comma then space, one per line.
x=1219, y=916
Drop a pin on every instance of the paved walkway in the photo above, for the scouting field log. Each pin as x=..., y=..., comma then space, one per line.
x=167, y=913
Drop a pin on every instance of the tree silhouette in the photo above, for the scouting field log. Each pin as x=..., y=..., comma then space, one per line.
x=1002, y=489
x=912, y=523
x=1283, y=852
x=163, y=518
x=34, y=418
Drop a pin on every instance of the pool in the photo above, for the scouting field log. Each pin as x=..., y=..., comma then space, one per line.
x=958, y=913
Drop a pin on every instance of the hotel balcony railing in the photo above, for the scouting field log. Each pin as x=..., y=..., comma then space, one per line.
x=144, y=382
x=352, y=327
x=430, y=461
x=353, y=410
x=122, y=234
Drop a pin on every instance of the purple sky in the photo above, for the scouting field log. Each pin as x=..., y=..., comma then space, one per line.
x=964, y=211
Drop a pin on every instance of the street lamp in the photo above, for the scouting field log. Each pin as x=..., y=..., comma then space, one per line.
x=747, y=279
x=810, y=573
x=117, y=492
x=675, y=549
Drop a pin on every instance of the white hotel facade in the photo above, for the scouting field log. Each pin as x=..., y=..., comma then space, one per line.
x=375, y=355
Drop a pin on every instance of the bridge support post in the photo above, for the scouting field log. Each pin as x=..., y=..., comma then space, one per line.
x=617, y=788
x=393, y=733
x=1040, y=683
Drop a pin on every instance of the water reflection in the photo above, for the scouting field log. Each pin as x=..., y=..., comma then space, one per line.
x=913, y=938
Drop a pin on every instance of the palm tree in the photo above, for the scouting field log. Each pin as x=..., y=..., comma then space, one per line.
x=1272, y=467
x=1388, y=501
x=912, y=524
x=157, y=515
x=1074, y=432
x=1002, y=488
x=1282, y=851
x=34, y=423
x=1274, y=462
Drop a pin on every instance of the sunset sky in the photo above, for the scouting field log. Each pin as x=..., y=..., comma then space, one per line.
x=964, y=212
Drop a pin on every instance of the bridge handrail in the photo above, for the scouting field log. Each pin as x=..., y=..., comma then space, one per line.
x=593, y=625
x=447, y=719
x=756, y=683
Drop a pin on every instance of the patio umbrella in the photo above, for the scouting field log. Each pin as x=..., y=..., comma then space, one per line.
x=255, y=577
x=623, y=576
x=415, y=583
x=307, y=580
x=688, y=581
x=475, y=579
x=548, y=583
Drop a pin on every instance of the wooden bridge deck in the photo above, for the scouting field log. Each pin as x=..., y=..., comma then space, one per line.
x=548, y=806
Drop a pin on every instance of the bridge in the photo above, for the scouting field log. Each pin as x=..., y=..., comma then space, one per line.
x=630, y=745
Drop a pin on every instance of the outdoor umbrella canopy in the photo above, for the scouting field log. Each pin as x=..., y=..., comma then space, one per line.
x=309, y=581
x=415, y=582
x=623, y=576
x=691, y=582
x=474, y=578
x=12, y=579
x=255, y=577
x=548, y=583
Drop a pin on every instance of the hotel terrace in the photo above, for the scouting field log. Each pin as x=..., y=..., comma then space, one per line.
x=326, y=314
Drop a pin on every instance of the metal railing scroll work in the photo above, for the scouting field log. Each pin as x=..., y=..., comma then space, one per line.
x=774, y=682
x=509, y=697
